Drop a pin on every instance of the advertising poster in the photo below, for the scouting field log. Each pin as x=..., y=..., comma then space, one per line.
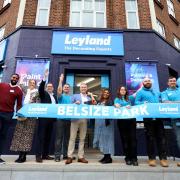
x=136, y=72
x=31, y=69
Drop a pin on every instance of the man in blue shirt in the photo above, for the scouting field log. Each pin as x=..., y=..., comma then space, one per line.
x=154, y=127
x=172, y=95
x=63, y=125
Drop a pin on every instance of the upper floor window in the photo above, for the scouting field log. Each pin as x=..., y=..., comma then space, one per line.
x=2, y=30
x=132, y=14
x=170, y=8
x=177, y=42
x=160, y=28
x=88, y=13
x=6, y=2
x=43, y=10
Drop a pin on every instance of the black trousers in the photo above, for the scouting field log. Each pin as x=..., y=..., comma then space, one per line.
x=155, y=134
x=62, y=137
x=127, y=128
x=5, y=123
x=44, y=134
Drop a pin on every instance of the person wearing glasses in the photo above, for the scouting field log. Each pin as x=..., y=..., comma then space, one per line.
x=10, y=93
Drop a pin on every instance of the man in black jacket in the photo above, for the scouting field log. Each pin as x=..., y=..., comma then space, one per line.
x=45, y=125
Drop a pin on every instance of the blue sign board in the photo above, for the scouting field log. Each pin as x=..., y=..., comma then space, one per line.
x=87, y=43
x=3, y=46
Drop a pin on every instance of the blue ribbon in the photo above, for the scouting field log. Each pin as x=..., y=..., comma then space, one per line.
x=73, y=111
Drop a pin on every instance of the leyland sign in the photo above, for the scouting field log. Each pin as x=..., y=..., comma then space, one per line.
x=87, y=43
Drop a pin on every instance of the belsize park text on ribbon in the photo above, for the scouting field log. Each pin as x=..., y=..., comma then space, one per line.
x=88, y=43
x=73, y=111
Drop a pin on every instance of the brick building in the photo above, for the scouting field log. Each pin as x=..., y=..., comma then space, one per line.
x=105, y=41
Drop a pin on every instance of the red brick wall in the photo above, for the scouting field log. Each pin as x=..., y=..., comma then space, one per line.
x=163, y=16
x=9, y=16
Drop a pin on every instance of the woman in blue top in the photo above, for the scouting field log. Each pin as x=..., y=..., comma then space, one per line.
x=104, y=131
x=127, y=127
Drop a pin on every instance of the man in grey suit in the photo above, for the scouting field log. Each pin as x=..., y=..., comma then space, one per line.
x=81, y=125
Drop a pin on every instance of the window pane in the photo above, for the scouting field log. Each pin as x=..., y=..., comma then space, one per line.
x=87, y=19
x=44, y=3
x=132, y=20
x=6, y=2
x=100, y=20
x=177, y=42
x=75, y=19
x=99, y=5
x=130, y=4
x=2, y=30
x=42, y=19
x=76, y=5
x=88, y=4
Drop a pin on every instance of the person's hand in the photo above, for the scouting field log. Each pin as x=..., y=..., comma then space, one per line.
x=46, y=73
x=61, y=78
x=77, y=102
x=128, y=107
x=117, y=105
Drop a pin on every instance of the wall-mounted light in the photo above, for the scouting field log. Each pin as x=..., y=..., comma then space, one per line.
x=168, y=64
x=4, y=66
x=86, y=81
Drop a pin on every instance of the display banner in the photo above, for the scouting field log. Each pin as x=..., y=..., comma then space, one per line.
x=88, y=43
x=31, y=69
x=136, y=72
x=73, y=111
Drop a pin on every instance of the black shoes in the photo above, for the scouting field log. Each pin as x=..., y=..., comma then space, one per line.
x=21, y=158
x=2, y=161
x=39, y=159
x=107, y=160
x=131, y=162
x=47, y=158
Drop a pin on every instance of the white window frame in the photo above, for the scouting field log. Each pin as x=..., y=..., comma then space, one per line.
x=6, y=2
x=160, y=25
x=137, y=16
x=82, y=10
x=2, y=31
x=42, y=8
x=177, y=42
x=170, y=6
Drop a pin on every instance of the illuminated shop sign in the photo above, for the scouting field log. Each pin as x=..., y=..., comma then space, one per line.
x=87, y=43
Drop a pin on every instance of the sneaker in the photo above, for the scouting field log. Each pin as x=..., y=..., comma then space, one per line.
x=57, y=159
x=47, y=158
x=152, y=162
x=164, y=163
x=2, y=161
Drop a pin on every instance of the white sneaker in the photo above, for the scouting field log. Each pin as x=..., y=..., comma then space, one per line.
x=2, y=161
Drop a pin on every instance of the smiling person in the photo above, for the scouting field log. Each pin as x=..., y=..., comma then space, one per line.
x=127, y=127
x=104, y=131
x=80, y=124
x=24, y=130
x=154, y=127
x=172, y=95
x=10, y=93
x=45, y=125
x=63, y=125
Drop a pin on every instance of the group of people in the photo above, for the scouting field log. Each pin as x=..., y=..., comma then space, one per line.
x=66, y=130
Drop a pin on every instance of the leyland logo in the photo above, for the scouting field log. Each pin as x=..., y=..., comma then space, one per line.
x=169, y=110
x=87, y=40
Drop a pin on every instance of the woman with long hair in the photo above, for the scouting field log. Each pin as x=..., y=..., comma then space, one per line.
x=127, y=127
x=24, y=130
x=104, y=131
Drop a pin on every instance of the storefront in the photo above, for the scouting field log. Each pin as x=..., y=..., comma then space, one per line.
x=100, y=58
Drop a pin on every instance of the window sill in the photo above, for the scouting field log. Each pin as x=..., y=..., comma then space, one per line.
x=159, y=4
x=4, y=8
x=174, y=19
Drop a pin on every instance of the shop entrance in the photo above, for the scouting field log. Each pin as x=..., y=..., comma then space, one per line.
x=95, y=82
